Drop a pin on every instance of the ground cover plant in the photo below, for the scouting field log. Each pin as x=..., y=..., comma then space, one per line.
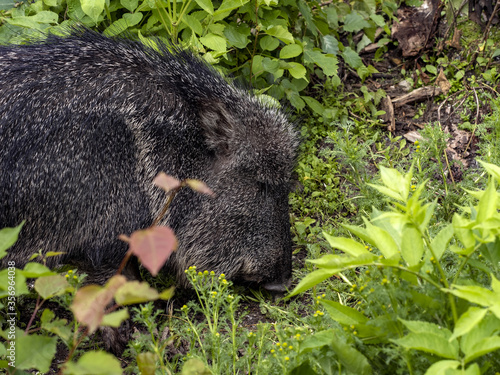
x=395, y=217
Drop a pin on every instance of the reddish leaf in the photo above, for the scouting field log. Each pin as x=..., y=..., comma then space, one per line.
x=153, y=246
x=91, y=301
x=166, y=182
x=200, y=187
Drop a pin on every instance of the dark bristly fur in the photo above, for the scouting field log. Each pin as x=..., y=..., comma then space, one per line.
x=86, y=123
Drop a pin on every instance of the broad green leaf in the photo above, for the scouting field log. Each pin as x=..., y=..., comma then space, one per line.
x=193, y=23
x=45, y=16
x=336, y=263
x=441, y=241
x=206, y=5
x=51, y=286
x=12, y=279
x=130, y=5
x=290, y=50
x=416, y=326
x=318, y=340
x=281, y=33
x=378, y=19
x=488, y=203
x=388, y=192
x=354, y=22
x=330, y=44
x=467, y=321
x=237, y=35
x=439, y=368
x=328, y=63
x=392, y=179
x=475, y=294
x=382, y=240
x=492, y=169
x=34, y=351
x=412, y=245
x=115, y=319
x=215, y=42
x=146, y=363
x=95, y=363
x=352, y=58
x=133, y=292
x=227, y=7
x=314, y=104
x=485, y=346
x=195, y=366
x=310, y=280
x=347, y=245
x=462, y=228
x=93, y=8
x=32, y=270
x=8, y=237
x=430, y=343
x=297, y=70
x=352, y=360
x=269, y=43
x=343, y=314
x=57, y=326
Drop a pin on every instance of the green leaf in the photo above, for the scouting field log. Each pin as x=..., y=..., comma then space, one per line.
x=119, y=26
x=193, y=23
x=485, y=346
x=316, y=341
x=194, y=366
x=492, y=169
x=441, y=241
x=95, y=363
x=328, y=63
x=382, y=240
x=57, y=326
x=93, y=8
x=388, y=192
x=290, y=50
x=115, y=319
x=8, y=237
x=51, y=286
x=33, y=270
x=378, y=19
x=439, y=368
x=352, y=58
x=412, y=245
x=347, y=245
x=269, y=43
x=354, y=22
x=488, y=203
x=312, y=103
x=462, y=228
x=130, y=5
x=34, y=351
x=475, y=294
x=311, y=280
x=429, y=343
x=17, y=280
x=227, y=7
x=330, y=44
x=468, y=320
x=206, y=5
x=281, y=33
x=343, y=314
x=146, y=363
x=297, y=70
x=237, y=36
x=431, y=69
x=215, y=42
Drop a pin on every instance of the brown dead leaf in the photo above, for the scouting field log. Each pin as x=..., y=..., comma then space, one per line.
x=443, y=83
x=388, y=117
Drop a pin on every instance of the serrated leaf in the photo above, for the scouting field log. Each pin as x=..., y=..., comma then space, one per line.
x=475, y=294
x=381, y=239
x=430, y=343
x=354, y=22
x=34, y=351
x=467, y=321
x=352, y=58
x=206, y=5
x=485, y=346
x=329, y=44
x=439, y=368
x=237, y=36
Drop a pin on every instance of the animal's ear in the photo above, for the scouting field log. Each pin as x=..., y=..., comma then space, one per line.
x=218, y=126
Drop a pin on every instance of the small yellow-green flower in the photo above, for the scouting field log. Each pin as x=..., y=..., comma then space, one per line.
x=287, y=358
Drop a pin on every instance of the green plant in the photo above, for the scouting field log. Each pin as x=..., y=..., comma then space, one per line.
x=451, y=316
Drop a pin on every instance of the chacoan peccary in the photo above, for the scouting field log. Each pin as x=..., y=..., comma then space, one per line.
x=87, y=122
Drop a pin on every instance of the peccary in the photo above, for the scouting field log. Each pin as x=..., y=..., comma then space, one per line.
x=87, y=122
